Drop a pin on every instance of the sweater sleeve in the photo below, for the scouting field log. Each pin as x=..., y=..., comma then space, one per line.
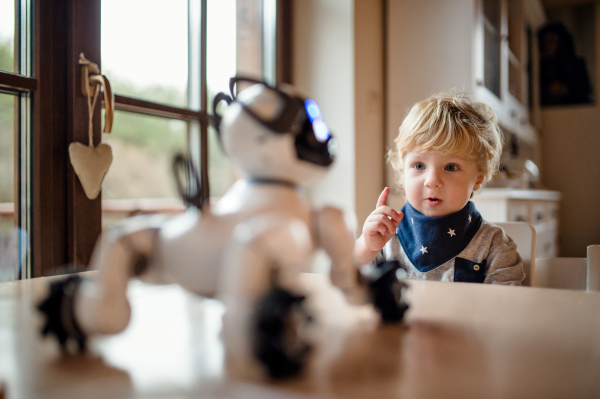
x=505, y=265
x=380, y=257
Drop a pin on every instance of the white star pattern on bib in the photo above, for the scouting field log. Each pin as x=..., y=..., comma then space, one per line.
x=452, y=233
x=423, y=250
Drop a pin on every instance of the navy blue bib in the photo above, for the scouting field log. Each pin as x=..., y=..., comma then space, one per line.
x=432, y=241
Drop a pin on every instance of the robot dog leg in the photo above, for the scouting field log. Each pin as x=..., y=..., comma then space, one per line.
x=265, y=311
x=379, y=285
x=77, y=308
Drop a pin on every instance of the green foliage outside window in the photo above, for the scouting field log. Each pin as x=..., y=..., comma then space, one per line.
x=6, y=54
x=7, y=103
x=7, y=132
x=7, y=147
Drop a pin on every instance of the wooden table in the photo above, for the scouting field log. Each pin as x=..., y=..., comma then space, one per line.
x=459, y=341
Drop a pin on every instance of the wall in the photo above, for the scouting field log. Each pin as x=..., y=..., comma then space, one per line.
x=571, y=165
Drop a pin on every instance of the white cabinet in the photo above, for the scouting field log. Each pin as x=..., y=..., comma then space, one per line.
x=538, y=207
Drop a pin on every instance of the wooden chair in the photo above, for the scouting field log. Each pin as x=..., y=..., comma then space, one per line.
x=570, y=273
x=524, y=235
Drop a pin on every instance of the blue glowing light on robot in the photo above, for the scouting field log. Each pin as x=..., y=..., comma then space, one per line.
x=314, y=115
x=312, y=109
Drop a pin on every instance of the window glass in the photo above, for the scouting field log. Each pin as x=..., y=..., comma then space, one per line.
x=221, y=57
x=220, y=47
x=492, y=61
x=220, y=173
x=249, y=38
x=145, y=49
x=8, y=231
x=140, y=179
x=269, y=39
x=514, y=79
x=492, y=11
x=7, y=35
x=7, y=158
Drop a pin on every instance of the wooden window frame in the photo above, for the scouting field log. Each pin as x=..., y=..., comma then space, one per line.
x=12, y=82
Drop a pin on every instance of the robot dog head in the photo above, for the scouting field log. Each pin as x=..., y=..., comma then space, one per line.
x=273, y=133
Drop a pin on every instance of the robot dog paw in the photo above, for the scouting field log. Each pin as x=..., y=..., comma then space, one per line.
x=277, y=342
x=57, y=308
x=387, y=291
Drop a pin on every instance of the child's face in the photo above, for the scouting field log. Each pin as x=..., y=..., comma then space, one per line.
x=438, y=185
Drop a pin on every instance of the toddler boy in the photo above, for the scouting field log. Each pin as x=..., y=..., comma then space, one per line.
x=447, y=148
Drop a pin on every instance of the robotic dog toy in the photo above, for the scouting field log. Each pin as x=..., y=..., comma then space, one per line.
x=247, y=249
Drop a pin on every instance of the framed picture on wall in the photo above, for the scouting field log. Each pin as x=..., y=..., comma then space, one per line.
x=567, y=46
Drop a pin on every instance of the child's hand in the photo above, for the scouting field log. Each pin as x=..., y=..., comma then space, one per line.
x=381, y=224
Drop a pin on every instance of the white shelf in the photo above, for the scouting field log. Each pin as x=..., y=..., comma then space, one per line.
x=509, y=193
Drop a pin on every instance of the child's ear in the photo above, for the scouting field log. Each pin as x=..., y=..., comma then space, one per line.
x=478, y=183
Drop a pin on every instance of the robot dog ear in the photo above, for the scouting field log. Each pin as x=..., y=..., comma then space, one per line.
x=216, y=118
x=234, y=80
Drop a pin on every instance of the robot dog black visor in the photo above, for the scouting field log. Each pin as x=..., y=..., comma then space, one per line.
x=298, y=116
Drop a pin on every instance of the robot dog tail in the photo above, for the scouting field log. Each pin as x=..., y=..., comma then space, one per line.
x=192, y=192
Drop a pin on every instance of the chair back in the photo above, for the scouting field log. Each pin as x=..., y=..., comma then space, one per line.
x=593, y=268
x=570, y=273
x=523, y=234
x=565, y=273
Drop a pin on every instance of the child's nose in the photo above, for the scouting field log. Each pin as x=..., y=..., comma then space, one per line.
x=433, y=179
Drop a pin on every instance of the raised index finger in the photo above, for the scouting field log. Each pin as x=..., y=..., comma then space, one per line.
x=382, y=201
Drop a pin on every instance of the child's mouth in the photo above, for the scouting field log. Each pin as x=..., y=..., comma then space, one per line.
x=434, y=201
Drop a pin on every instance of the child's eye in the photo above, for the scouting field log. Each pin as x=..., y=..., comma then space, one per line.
x=451, y=167
x=419, y=166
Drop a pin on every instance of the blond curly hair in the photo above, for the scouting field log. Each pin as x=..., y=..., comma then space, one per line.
x=450, y=124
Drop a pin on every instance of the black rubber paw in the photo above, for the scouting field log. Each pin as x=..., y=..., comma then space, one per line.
x=57, y=308
x=280, y=315
x=386, y=291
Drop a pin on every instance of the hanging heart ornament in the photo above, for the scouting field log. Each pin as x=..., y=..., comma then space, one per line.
x=91, y=165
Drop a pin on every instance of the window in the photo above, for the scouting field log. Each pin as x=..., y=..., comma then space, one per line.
x=16, y=86
x=9, y=264
x=165, y=61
